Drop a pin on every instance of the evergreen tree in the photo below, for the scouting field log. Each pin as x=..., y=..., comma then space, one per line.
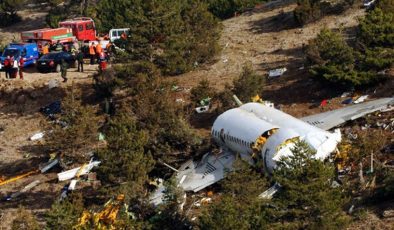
x=228, y=8
x=307, y=199
x=169, y=215
x=239, y=206
x=201, y=91
x=65, y=214
x=8, y=11
x=248, y=84
x=79, y=129
x=174, y=35
x=330, y=58
x=125, y=164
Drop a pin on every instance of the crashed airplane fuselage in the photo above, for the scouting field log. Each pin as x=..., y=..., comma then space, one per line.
x=254, y=129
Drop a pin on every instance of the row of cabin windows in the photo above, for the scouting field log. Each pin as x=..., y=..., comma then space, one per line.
x=231, y=138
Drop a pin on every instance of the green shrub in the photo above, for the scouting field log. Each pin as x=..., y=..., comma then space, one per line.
x=308, y=11
x=8, y=12
x=227, y=8
x=330, y=58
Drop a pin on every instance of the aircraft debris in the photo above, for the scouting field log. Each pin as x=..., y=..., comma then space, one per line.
x=179, y=100
x=12, y=179
x=388, y=213
x=276, y=72
x=50, y=165
x=347, y=101
x=53, y=83
x=346, y=94
x=203, y=201
x=67, y=175
x=269, y=193
x=51, y=109
x=25, y=189
x=360, y=99
x=205, y=103
x=202, y=109
x=37, y=136
x=157, y=196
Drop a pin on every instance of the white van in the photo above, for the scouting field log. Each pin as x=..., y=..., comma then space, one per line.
x=117, y=33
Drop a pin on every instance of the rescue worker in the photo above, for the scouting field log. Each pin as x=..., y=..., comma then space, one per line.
x=58, y=46
x=92, y=53
x=63, y=70
x=123, y=36
x=45, y=49
x=21, y=63
x=80, y=61
x=99, y=50
x=109, y=48
x=102, y=62
x=7, y=67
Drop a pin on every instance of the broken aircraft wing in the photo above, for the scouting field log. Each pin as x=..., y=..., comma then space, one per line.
x=330, y=119
x=193, y=176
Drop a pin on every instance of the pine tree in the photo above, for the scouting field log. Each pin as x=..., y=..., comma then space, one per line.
x=307, y=198
x=65, y=214
x=79, y=130
x=174, y=35
x=248, y=84
x=239, y=206
x=169, y=215
x=125, y=164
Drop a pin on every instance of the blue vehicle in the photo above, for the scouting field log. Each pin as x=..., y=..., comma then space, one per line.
x=28, y=51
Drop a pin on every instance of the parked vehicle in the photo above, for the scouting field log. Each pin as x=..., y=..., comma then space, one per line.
x=83, y=28
x=27, y=51
x=51, y=62
x=115, y=34
x=48, y=36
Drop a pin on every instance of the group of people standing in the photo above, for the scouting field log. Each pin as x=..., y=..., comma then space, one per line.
x=13, y=66
x=96, y=53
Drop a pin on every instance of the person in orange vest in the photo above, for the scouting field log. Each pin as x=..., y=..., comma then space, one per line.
x=21, y=63
x=45, y=49
x=99, y=50
x=92, y=53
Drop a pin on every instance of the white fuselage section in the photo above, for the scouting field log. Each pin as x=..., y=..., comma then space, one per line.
x=240, y=128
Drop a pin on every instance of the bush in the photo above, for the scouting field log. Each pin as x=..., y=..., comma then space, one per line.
x=64, y=214
x=246, y=86
x=8, y=11
x=308, y=11
x=55, y=15
x=81, y=131
x=227, y=8
x=201, y=91
x=125, y=164
x=24, y=220
x=330, y=58
x=238, y=206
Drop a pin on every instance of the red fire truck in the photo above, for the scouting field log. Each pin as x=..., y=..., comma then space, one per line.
x=83, y=28
x=48, y=35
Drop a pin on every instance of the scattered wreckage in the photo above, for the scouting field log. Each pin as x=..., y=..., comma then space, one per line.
x=254, y=129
